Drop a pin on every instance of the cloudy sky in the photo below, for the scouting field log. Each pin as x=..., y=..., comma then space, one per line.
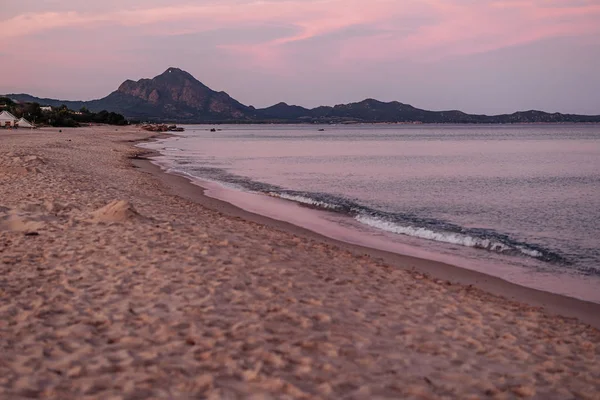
x=487, y=56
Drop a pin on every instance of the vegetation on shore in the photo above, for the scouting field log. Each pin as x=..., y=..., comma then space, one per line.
x=60, y=116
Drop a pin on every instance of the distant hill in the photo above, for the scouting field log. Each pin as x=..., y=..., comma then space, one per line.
x=177, y=96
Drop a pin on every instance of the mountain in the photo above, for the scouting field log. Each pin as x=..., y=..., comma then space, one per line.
x=374, y=111
x=285, y=112
x=176, y=96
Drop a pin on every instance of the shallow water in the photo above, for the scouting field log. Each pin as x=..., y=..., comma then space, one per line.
x=520, y=201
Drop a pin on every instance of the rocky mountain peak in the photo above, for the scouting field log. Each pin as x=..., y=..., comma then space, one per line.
x=175, y=75
x=176, y=92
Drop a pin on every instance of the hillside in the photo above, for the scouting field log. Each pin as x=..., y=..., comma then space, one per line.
x=177, y=96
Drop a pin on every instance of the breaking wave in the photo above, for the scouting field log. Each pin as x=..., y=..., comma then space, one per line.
x=305, y=200
x=447, y=237
x=398, y=223
x=423, y=228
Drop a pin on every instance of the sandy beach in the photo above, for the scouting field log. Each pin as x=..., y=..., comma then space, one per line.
x=118, y=281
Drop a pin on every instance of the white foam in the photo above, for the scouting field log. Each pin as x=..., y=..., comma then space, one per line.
x=529, y=252
x=304, y=200
x=445, y=237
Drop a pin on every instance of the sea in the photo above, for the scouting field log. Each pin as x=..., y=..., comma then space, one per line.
x=520, y=202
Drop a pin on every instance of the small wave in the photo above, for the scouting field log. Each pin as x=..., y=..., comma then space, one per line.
x=530, y=252
x=305, y=200
x=422, y=228
x=445, y=237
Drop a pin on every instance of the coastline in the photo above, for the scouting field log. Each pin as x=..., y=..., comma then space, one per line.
x=116, y=283
x=556, y=304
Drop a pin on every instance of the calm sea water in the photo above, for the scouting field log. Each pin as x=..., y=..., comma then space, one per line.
x=521, y=201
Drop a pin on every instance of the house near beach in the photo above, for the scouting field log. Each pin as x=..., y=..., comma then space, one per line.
x=7, y=120
x=23, y=123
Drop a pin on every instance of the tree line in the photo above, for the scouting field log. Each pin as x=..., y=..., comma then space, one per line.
x=60, y=116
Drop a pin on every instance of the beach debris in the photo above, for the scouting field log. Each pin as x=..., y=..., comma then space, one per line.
x=115, y=211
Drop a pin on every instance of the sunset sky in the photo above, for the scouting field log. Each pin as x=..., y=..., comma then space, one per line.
x=484, y=56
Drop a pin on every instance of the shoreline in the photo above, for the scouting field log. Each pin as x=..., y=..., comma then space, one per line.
x=552, y=303
x=116, y=283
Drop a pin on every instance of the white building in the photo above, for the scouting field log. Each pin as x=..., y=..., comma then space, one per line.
x=46, y=108
x=7, y=119
x=23, y=123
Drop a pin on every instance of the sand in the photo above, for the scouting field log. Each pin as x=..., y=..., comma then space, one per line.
x=113, y=285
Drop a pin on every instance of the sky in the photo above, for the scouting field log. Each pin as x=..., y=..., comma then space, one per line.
x=478, y=56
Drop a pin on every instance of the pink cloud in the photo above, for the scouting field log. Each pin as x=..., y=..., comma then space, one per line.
x=455, y=28
x=487, y=26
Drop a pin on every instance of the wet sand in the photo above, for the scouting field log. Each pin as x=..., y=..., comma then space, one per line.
x=119, y=281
